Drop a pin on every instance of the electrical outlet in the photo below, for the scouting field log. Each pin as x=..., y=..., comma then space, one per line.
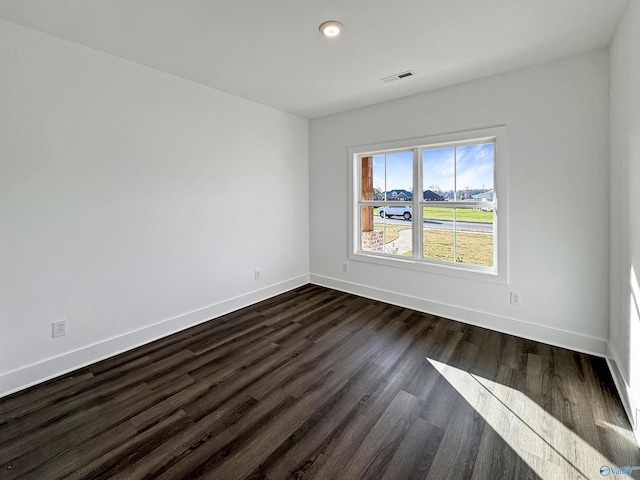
x=345, y=266
x=58, y=329
x=515, y=299
x=257, y=274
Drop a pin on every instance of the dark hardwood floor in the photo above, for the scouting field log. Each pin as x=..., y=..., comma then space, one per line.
x=319, y=384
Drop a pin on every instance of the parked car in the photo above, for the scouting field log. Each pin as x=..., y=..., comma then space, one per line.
x=403, y=211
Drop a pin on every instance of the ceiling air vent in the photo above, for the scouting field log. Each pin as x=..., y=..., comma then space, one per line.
x=398, y=76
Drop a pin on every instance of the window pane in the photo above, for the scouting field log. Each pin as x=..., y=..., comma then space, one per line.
x=391, y=235
x=474, y=172
x=393, y=176
x=474, y=236
x=438, y=234
x=438, y=174
x=434, y=215
x=468, y=239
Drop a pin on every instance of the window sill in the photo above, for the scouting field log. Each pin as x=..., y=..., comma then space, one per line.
x=466, y=272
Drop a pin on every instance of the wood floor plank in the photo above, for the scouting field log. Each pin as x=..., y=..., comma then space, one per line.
x=244, y=379
x=67, y=432
x=189, y=439
x=302, y=448
x=36, y=398
x=496, y=459
x=415, y=454
x=320, y=384
x=456, y=455
x=216, y=446
x=378, y=448
x=132, y=451
x=265, y=442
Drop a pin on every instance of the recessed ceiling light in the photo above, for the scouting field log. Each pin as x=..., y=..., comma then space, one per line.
x=331, y=28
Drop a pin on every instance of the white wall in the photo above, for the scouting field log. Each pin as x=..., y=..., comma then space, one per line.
x=134, y=203
x=624, y=343
x=557, y=120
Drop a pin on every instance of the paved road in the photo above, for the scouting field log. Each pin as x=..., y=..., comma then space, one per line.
x=440, y=224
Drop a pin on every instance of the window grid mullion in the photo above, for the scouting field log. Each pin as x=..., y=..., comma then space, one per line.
x=417, y=210
x=358, y=212
x=455, y=197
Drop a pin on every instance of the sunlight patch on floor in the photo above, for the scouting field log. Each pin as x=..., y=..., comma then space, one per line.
x=545, y=444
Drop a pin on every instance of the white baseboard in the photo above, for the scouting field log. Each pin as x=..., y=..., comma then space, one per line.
x=540, y=333
x=629, y=401
x=41, y=371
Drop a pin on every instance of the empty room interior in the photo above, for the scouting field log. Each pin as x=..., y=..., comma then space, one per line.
x=277, y=239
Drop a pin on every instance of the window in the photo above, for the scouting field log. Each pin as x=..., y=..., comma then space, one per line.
x=432, y=204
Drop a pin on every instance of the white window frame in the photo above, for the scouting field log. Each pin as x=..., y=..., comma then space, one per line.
x=496, y=274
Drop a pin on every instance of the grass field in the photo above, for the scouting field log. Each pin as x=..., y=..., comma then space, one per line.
x=392, y=231
x=471, y=248
x=462, y=214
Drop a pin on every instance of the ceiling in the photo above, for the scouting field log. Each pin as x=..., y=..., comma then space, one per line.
x=271, y=52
